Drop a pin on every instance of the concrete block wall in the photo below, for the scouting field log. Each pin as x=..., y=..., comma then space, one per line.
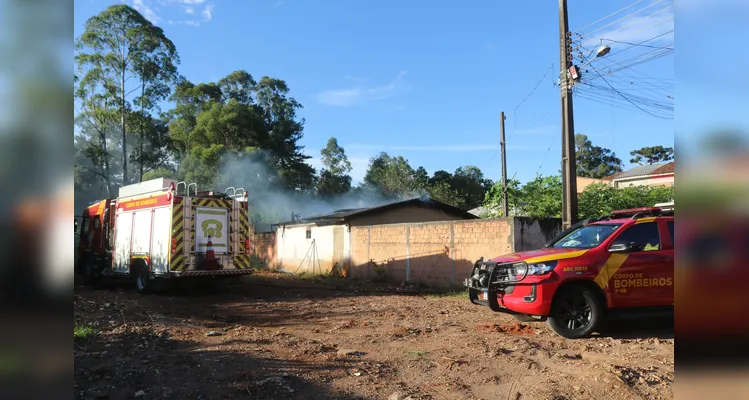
x=441, y=254
x=263, y=250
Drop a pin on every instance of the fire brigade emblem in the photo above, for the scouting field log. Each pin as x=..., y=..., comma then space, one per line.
x=212, y=227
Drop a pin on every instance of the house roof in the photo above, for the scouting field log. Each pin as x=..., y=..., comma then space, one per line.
x=644, y=170
x=344, y=215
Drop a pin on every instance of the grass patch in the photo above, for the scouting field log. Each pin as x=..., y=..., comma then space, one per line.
x=83, y=333
x=451, y=293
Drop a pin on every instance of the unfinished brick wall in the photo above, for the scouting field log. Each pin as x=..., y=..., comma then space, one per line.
x=434, y=253
x=263, y=250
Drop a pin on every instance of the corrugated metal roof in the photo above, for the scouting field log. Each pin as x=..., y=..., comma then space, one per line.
x=346, y=214
x=642, y=170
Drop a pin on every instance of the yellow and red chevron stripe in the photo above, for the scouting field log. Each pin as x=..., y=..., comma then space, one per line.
x=203, y=202
x=177, y=259
x=241, y=258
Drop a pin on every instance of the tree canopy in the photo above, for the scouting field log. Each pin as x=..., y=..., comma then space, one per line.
x=594, y=161
x=651, y=155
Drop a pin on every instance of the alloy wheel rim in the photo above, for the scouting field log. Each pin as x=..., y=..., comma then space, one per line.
x=576, y=313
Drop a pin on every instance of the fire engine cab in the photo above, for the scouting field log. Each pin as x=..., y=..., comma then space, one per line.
x=155, y=231
x=621, y=262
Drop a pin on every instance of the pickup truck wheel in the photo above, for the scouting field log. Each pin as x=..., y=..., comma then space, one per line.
x=575, y=313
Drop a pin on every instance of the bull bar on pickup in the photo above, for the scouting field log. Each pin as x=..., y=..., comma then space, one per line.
x=492, y=278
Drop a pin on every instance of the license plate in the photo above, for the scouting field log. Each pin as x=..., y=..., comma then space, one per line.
x=485, y=295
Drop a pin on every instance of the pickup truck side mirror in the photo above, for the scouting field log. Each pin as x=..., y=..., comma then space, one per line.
x=623, y=248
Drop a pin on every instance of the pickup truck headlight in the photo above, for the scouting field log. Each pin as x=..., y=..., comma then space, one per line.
x=536, y=268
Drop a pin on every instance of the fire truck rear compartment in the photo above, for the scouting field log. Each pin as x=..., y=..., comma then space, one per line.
x=144, y=234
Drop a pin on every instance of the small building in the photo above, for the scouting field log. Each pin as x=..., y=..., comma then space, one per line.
x=321, y=243
x=644, y=175
x=583, y=182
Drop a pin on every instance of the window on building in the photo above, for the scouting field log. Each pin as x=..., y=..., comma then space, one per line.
x=644, y=237
x=309, y=233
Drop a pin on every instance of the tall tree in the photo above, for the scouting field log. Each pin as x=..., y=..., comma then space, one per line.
x=117, y=45
x=393, y=176
x=594, y=161
x=465, y=188
x=240, y=117
x=651, y=155
x=334, y=177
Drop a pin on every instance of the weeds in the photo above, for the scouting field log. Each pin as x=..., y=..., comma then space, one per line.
x=83, y=333
x=451, y=293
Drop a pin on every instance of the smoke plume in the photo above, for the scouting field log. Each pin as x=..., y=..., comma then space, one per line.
x=272, y=203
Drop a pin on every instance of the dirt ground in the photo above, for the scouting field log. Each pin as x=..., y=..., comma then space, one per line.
x=273, y=336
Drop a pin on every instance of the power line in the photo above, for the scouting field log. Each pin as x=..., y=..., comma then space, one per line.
x=635, y=44
x=543, y=159
x=635, y=23
x=610, y=15
x=624, y=17
x=616, y=103
x=514, y=111
x=625, y=97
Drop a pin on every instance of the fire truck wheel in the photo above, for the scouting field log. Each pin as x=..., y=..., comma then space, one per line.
x=576, y=312
x=142, y=282
x=89, y=273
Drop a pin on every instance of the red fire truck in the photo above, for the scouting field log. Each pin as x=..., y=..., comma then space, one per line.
x=153, y=231
x=622, y=262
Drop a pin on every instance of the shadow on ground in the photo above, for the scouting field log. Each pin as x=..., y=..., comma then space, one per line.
x=120, y=363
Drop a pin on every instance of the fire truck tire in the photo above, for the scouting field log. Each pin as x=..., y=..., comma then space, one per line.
x=142, y=282
x=90, y=275
x=576, y=312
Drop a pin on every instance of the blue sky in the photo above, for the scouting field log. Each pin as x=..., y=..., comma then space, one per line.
x=426, y=80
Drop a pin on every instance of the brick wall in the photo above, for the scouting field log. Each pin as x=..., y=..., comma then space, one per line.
x=434, y=253
x=263, y=250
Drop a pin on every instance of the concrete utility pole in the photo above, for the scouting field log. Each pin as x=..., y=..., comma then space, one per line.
x=569, y=167
x=505, y=207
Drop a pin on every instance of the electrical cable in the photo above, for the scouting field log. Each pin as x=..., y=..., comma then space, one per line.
x=589, y=34
x=610, y=15
x=624, y=17
x=514, y=111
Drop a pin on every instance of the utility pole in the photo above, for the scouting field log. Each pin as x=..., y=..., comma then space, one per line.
x=569, y=167
x=505, y=207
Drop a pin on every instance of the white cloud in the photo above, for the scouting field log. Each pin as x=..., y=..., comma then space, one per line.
x=146, y=10
x=644, y=25
x=188, y=22
x=190, y=10
x=278, y=3
x=360, y=93
x=194, y=2
x=490, y=46
x=207, y=12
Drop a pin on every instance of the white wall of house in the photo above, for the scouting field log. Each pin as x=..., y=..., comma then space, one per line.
x=644, y=181
x=295, y=250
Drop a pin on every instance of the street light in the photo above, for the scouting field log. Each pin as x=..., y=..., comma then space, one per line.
x=602, y=51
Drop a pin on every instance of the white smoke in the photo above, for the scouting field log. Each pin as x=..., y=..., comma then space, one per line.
x=271, y=203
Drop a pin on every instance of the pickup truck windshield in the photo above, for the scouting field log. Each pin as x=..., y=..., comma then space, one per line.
x=586, y=237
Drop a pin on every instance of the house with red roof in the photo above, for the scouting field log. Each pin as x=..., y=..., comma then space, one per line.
x=644, y=175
